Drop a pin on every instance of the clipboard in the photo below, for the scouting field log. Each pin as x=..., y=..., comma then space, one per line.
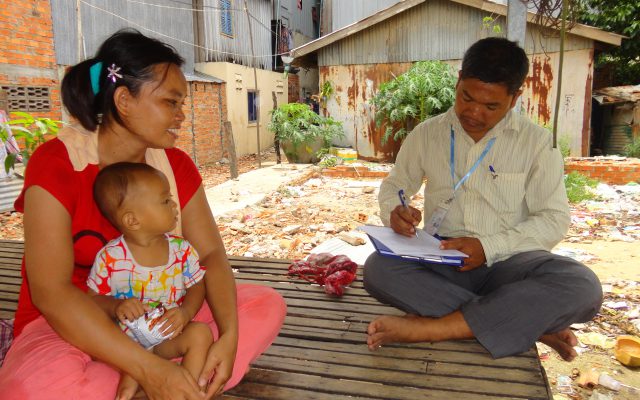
x=454, y=257
x=385, y=251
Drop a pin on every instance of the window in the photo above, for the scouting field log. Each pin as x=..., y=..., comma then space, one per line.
x=252, y=101
x=28, y=98
x=226, y=25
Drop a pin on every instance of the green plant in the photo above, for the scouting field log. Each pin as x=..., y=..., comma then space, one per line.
x=297, y=124
x=326, y=90
x=427, y=89
x=492, y=24
x=32, y=131
x=578, y=185
x=564, y=146
x=633, y=148
x=619, y=16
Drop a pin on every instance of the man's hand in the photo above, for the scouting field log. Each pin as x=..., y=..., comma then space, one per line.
x=403, y=220
x=470, y=246
x=130, y=310
x=218, y=366
x=173, y=322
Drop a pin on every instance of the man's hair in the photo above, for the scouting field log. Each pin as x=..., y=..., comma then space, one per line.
x=496, y=60
x=113, y=184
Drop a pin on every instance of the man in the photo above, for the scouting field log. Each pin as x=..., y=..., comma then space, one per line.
x=495, y=191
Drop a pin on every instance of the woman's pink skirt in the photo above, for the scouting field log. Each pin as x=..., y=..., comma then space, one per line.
x=41, y=365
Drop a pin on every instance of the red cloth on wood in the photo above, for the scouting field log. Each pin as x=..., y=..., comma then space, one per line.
x=333, y=272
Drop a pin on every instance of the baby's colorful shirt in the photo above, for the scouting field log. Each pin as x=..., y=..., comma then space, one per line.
x=116, y=273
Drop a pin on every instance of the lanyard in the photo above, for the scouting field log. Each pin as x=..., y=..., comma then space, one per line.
x=452, y=162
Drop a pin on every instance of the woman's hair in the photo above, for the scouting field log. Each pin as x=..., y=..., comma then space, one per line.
x=496, y=60
x=113, y=185
x=134, y=54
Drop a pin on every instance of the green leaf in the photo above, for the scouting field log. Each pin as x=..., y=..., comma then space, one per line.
x=9, y=162
x=425, y=90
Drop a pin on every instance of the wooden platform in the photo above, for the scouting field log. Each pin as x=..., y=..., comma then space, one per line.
x=320, y=352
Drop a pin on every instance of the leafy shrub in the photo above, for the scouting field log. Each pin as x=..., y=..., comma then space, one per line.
x=29, y=130
x=426, y=90
x=578, y=187
x=297, y=124
x=564, y=146
x=633, y=148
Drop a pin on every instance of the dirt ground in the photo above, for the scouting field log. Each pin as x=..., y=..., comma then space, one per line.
x=294, y=219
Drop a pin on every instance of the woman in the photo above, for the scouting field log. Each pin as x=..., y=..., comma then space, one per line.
x=128, y=101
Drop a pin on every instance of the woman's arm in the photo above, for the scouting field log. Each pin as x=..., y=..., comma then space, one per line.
x=200, y=229
x=73, y=315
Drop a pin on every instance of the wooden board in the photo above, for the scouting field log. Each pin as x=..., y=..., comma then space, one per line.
x=320, y=352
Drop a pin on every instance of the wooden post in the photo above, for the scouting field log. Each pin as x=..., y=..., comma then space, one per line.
x=556, y=112
x=255, y=82
x=79, y=47
x=233, y=160
x=276, y=141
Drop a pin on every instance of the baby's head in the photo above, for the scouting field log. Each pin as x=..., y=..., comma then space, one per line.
x=135, y=197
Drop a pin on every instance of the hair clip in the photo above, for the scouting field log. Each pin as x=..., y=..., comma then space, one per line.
x=94, y=74
x=113, y=73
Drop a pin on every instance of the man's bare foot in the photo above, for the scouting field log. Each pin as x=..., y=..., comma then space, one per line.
x=412, y=328
x=562, y=342
x=127, y=388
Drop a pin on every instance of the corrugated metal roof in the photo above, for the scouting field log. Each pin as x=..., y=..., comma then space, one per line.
x=202, y=77
x=312, y=47
x=617, y=94
x=9, y=190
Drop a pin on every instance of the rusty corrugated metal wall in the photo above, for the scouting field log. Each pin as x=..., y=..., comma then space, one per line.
x=441, y=30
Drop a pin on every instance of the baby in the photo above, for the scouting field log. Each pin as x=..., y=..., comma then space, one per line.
x=147, y=270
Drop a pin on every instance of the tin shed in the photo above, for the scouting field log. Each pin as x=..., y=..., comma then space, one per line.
x=357, y=58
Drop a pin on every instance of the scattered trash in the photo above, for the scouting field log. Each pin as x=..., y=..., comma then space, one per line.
x=588, y=379
x=627, y=350
x=614, y=216
x=576, y=254
x=600, y=396
x=564, y=385
x=352, y=239
x=596, y=339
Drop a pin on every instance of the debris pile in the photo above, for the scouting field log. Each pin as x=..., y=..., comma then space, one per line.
x=293, y=220
x=614, y=216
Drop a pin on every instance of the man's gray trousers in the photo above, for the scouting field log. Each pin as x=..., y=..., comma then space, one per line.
x=508, y=306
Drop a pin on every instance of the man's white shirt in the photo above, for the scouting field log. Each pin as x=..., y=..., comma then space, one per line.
x=519, y=206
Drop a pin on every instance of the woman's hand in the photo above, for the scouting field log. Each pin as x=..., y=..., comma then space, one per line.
x=165, y=380
x=219, y=365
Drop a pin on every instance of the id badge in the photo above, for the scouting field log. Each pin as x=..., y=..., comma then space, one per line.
x=438, y=216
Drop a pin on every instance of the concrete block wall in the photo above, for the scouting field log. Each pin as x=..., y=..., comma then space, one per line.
x=27, y=54
x=613, y=172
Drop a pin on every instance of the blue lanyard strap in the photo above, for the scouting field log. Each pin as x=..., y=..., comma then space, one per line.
x=452, y=162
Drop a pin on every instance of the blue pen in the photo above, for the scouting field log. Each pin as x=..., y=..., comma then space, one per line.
x=403, y=201
x=493, y=172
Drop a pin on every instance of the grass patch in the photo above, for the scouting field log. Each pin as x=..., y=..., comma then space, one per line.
x=578, y=187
